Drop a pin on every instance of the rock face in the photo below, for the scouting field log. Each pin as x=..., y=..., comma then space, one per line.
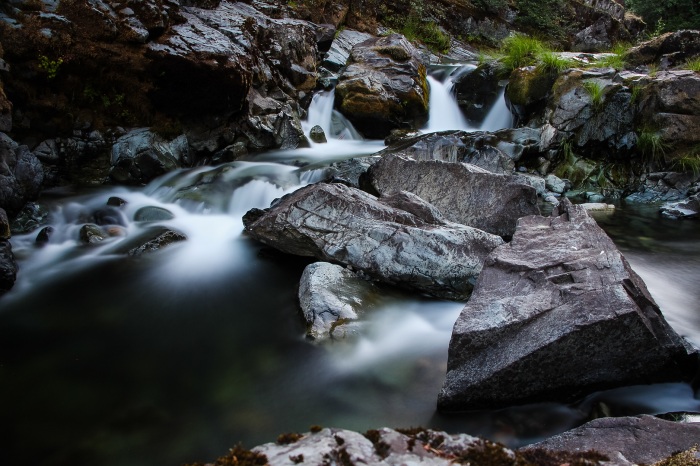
x=332, y=298
x=666, y=50
x=8, y=267
x=626, y=440
x=464, y=193
x=21, y=175
x=397, y=239
x=336, y=58
x=140, y=156
x=558, y=313
x=383, y=87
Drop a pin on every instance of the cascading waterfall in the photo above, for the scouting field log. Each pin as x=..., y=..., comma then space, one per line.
x=444, y=113
x=499, y=115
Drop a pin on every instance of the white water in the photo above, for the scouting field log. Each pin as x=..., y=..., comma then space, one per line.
x=444, y=113
x=499, y=116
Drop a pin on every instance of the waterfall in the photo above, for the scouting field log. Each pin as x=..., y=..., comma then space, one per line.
x=334, y=124
x=499, y=116
x=444, y=112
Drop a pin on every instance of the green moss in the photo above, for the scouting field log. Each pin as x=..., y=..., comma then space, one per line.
x=684, y=458
x=395, y=52
x=288, y=438
x=239, y=456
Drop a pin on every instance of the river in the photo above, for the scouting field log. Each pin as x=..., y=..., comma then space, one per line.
x=176, y=356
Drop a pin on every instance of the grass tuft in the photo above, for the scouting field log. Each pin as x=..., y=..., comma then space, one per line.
x=596, y=92
x=653, y=146
x=551, y=62
x=693, y=65
x=519, y=51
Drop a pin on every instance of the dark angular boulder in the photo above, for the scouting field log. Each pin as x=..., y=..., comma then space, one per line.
x=21, y=175
x=626, y=440
x=337, y=223
x=464, y=193
x=8, y=267
x=558, y=313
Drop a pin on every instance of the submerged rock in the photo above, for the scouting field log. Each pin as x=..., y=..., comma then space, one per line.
x=558, y=313
x=332, y=298
x=626, y=440
x=464, y=193
x=337, y=223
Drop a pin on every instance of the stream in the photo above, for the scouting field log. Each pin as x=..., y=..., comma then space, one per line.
x=176, y=356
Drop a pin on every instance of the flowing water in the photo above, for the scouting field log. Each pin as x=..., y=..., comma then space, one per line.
x=176, y=356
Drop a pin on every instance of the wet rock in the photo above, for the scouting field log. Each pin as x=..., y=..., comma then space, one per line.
x=626, y=440
x=662, y=187
x=92, y=234
x=476, y=91
x=317, y=134
x=688, y=208
x=31, y=217
x=115, y=201
x=598, y=207
x=5, y=232
x=44, y=235
x=383, y=447
x=345, y=40
x=8, y=267
x=152, y=214
x=555, y=184
x=83, y=159
x=332, y=298
x=495, y=152
x=333, y=222
x=156, y=240
x=383, y=87
x=527, y=91
x=140, y=156
x=556, y=314
x=21, y=175
x=350, y=171
x=464, y=193
x=5, y=111
x=108, y=216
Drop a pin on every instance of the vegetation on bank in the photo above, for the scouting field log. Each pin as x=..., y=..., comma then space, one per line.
x=667, y=15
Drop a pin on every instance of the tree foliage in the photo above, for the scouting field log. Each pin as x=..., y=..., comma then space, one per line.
x=672, y=14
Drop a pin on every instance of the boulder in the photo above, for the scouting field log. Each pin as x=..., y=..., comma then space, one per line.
x=156, y=239
x=383, y=87
x=317, y=135
x=332, y=298
x=663, y=187
x=464, y=193
x=21, y=175
x=411, y=247
x=558, y=313
x=626, y=440
x=5, y=232
x=141, y=155
x=688, y=208
x=496, y=152
x=350, y=171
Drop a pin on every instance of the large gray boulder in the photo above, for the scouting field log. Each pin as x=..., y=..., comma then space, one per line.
x=464, y=193
x=397, y=239
x=332, y=298
x=556, y=314
x=383, y=87
x=626, y=440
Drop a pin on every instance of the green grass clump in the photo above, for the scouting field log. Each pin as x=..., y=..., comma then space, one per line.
x=652, y=145
x=693, y=65
x=596, y=91
x=617, y=59
x=519, y=51
x=551, y=62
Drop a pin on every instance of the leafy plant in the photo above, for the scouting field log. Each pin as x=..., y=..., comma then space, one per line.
x=519, y=50
x=688, y=163
x=50, y=67
x=596, y=91
x=669, y=15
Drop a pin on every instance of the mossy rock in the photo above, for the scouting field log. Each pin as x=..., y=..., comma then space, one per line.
x=529, y=85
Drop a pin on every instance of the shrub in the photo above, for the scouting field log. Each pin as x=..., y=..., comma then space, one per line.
x=668, y=15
